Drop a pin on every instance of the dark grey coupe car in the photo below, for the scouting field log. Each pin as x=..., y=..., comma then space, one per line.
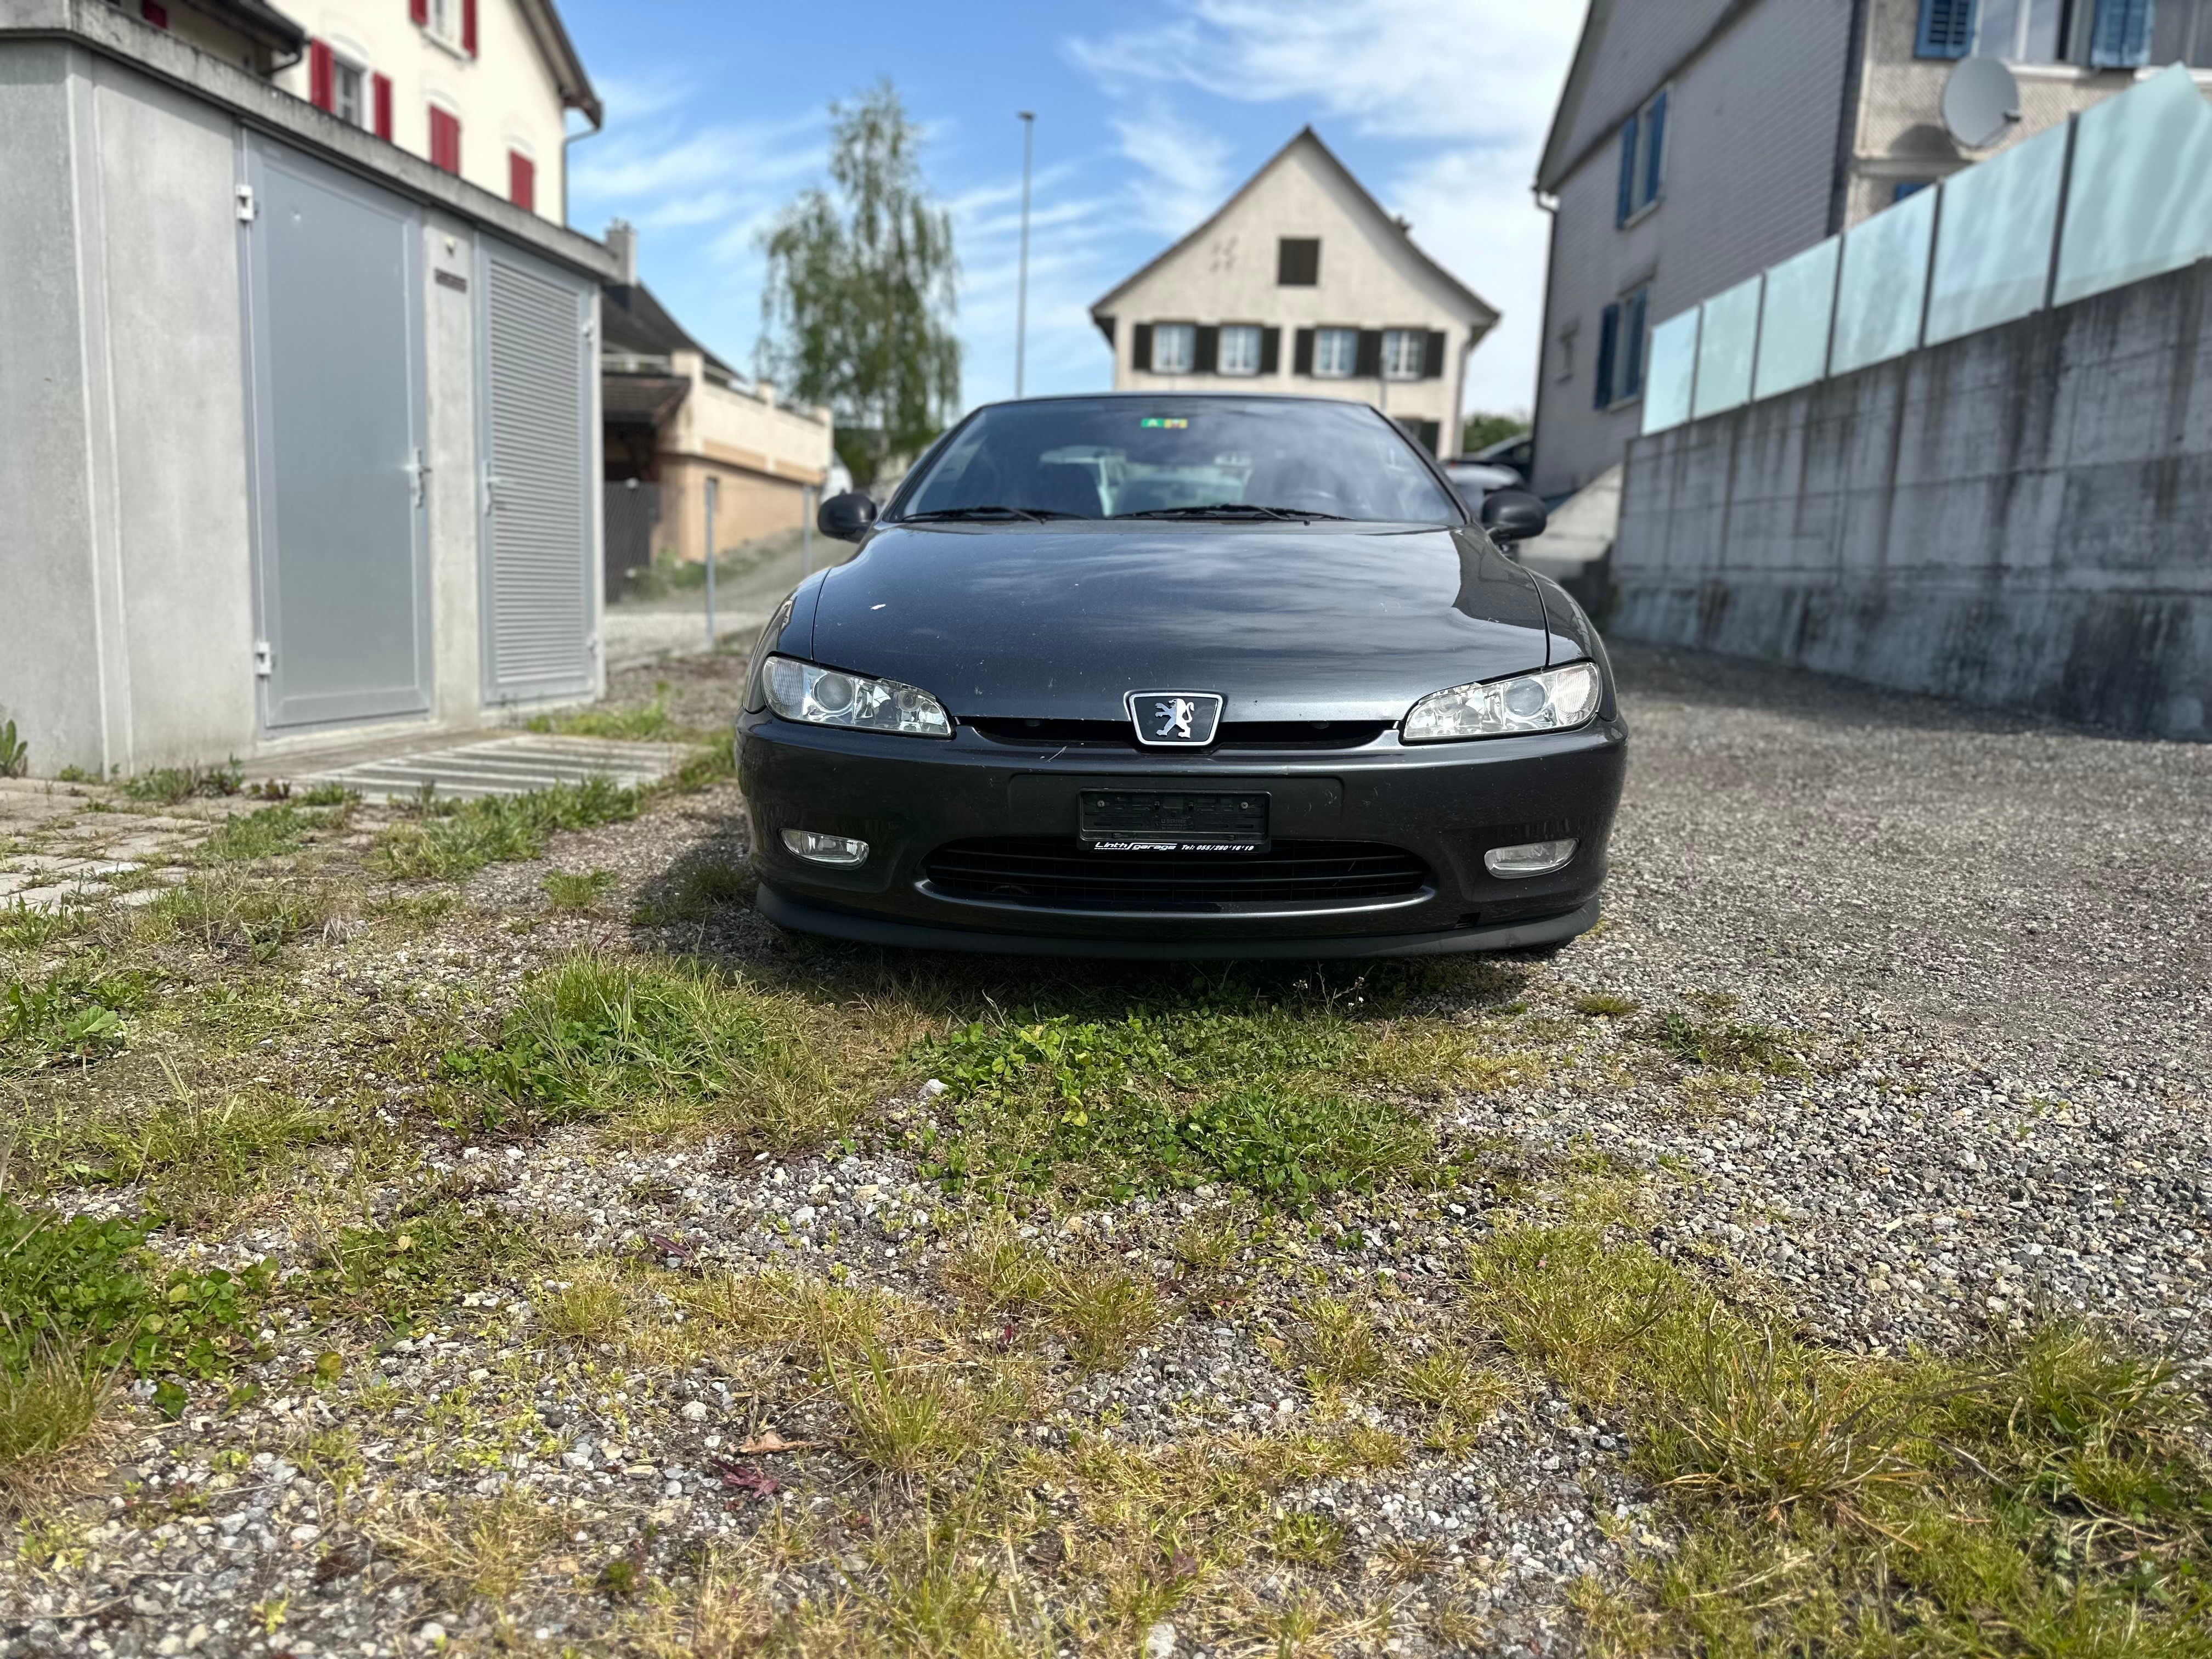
x=1182, y=676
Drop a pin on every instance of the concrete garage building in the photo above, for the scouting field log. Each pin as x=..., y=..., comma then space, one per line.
x=1301, y=282
x=298, y=433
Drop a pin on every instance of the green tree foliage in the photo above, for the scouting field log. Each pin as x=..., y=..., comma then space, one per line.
x=857, y=313
x=1483, y=430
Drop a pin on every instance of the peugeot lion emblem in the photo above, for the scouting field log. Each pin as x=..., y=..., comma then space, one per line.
x=1175, y=720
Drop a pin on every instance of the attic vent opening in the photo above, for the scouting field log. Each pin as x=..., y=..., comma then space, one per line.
x=1298, y=262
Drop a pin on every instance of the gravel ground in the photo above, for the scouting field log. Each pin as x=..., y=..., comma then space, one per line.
x=1987, y=940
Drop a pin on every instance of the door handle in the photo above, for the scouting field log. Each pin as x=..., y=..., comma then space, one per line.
x=492, y=482
x=418, y=476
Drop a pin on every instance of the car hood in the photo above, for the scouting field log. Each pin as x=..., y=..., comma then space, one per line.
x=1287, y=622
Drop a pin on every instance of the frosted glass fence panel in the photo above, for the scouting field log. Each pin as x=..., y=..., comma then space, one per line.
x=1884, y=278
x=2141, y=199
x=1993, y=238
x=1726, y=348
x=1793, y=329
x=1670, y=370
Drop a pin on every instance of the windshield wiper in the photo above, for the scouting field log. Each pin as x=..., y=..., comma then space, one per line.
x=1230, y=510
x=1035, y=514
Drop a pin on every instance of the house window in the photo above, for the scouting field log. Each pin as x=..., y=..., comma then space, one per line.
x=1405, y=354
x=521, y=181
x=1336, y=353
x=444, y=139
x=1175, y=347
x=2024, y=31
x=1298, y=261
x=347, y=84
x=1239, y=350
x=1643, y=160
x=1905, y=187
x=1621, y=341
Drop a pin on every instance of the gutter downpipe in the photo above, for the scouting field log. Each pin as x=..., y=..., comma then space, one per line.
x=1546, y=204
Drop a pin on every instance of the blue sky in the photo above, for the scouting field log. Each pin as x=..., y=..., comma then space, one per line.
x=1149, y=114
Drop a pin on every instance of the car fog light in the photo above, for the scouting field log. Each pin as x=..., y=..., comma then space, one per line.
x=1536, y=858
x=825, y=849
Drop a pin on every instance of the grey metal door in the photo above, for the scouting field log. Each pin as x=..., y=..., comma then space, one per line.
x=539, y=589
x=334, y=311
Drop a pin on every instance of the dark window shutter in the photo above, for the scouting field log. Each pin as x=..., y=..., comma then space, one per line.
x=1368, y=366
x=2120, y=37
x=1625, y=204
x=154, y=13
x=419, y=13
x=1432, y=355
x=1302, y=352
x=1654, y=147
x=1271, y=351
x=445, y=140
x=1428, y=432
x=1632, y=343
x=1947, y=28
x=1298, y=261
x=521, y=181
x=319, y=77
x=379, y=90
x=1206, y=352
x=469, y=26
x=1609, y=345
x=1141, y=346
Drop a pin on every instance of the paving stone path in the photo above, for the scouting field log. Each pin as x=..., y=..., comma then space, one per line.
x=71, y=844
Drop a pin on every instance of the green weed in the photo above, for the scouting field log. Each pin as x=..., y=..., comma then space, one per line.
x=48, y=1401
x=640, y=723
x=568, y=890
x=14, y=754
x=446, y=843
x=71, y=1016
x=415, y=1261
x=1726, y=1046
x=170, y=786
x=230, y=913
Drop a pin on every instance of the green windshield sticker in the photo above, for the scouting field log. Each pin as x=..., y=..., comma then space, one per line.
x=1173, y=423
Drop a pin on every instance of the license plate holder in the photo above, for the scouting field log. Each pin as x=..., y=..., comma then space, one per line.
x=1173, y=821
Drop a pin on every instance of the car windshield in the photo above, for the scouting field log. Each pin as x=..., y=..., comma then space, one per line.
x=1102, y=457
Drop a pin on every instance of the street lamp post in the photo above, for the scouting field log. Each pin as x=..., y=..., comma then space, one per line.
x=1022, y=286
x=710, y=563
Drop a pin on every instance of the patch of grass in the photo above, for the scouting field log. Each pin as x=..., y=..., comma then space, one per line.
x=267, y=833
x=1603, y=1005
x=232, y=914
x=333, y=1456
x=412, y=1263
x=1727, y=1046
x=170, y=786
x=74, y=1016
x=23, y=928
x=50, y=1401
x=2046, y=1497
x=1105, y=1313
x=697, y=893
x=1307, y=1538
x=589, y=1308
x=663, y=1046
x=449, y=843
x=92, y=1288
x=1338, y=1343
x=471, y=1548
x=567, y=891
x=14, y=753
x=638, y=723
x=1145, y=1107
x=197, y=1159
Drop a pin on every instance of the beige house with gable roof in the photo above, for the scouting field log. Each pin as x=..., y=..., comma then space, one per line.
x=1302, y=283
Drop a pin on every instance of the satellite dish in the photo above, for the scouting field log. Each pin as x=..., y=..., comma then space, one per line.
x=1981, y=101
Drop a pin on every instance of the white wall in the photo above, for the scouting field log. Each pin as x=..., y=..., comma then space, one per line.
x=505, y=96
x=1367, y=280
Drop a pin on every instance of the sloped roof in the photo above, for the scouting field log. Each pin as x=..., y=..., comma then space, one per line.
x=1623, y=57
x=1484, y=314
x=633, y=320
x=552, y=37
x=640, y=399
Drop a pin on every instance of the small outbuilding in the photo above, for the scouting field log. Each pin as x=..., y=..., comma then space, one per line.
x=299, y=431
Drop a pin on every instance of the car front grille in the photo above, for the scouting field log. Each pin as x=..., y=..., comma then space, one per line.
x=1059, y=873
x=1233, y=734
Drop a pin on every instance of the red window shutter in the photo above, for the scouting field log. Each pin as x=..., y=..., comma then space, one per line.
x=154, y=13
x=521, y=181
x=380, y=87
x=445, y=140
x=469, y=26
x=419, y=13
x=320, y=92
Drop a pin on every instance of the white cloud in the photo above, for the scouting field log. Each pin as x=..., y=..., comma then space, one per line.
x=1186, y=169
x=1462, y=91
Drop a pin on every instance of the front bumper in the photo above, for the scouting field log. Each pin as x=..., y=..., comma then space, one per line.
x=1445, y=803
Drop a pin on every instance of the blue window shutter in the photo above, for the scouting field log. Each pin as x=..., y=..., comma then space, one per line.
x=1947, y=28
x=1627, y=203
x=1631, y=343
x=1654, y=146
x=2120, y=37
x=1609, y=345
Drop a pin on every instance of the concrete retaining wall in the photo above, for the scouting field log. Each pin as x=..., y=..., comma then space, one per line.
x=2021, y=518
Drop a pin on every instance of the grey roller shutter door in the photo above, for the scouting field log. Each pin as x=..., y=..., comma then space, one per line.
x=537, y=486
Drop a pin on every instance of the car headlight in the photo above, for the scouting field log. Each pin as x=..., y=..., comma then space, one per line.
x=828, y=697
x=1550, y=701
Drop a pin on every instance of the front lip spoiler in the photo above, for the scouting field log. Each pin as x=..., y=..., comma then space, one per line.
x=799, y=915
x=1229, y=911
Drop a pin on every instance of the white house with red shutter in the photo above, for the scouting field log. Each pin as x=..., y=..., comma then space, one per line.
x=478, y=88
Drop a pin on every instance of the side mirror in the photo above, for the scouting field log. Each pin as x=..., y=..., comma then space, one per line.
x=845, y=518
x=1513, y=515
